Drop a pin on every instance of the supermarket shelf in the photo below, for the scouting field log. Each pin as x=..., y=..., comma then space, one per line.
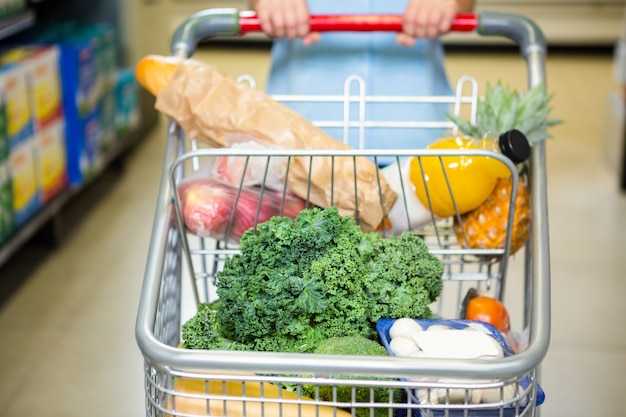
x=22, y=235
x=25, y=232
x=15, y=24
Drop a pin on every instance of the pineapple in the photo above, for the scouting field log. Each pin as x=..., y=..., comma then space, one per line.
x=485, y=226
x=500, y=110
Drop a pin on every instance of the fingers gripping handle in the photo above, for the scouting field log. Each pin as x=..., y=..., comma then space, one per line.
x=230, y=22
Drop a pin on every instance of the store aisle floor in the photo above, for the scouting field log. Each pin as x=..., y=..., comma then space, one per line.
x=67, y=333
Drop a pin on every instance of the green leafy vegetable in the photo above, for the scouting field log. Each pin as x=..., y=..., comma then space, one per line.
x=298, y=282
x=202, y=332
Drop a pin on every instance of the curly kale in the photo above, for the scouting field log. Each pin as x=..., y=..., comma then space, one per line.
x=202, y=332
x=298, y=282
x=404, y=277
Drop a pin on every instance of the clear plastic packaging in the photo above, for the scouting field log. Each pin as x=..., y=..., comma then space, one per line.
x=510, y=395
x=214, y=205
x=415, y=214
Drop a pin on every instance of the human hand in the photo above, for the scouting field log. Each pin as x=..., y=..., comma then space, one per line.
x=285, y=19
x=427, y=19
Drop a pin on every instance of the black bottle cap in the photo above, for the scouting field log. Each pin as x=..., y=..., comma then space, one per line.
x=515, y=146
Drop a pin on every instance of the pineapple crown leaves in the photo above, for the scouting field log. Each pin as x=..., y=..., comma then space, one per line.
x=503, y=109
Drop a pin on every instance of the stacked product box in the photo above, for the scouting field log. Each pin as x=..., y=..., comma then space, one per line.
x=41, y=65
x=117, y=89
x=99, y=100
x=80, y=99
x=45, y=80
x=26, y=197
x=63, y=105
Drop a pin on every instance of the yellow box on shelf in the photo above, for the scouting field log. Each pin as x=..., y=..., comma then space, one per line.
x=26, y=199
x=42, y=75
x=50, y=159
x=21, y=141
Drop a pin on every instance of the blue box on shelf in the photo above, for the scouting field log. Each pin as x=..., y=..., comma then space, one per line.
x=104, y=43
x=384, y=325
x=80, y=98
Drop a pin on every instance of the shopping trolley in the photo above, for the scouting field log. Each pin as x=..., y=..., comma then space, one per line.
x=181, y=271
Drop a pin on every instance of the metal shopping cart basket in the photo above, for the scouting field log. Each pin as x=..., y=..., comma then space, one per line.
x=181, y=271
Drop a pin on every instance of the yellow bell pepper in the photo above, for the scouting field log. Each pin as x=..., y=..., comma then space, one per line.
x=462, y=180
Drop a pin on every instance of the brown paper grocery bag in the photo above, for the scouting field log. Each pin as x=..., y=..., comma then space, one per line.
x=210, y=105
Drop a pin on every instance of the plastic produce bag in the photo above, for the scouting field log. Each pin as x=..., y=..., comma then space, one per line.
x=212, y=207
x=251, y=170
x=210, y=105
x=408, y=212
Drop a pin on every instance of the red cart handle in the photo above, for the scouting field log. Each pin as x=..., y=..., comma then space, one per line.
x=249, y=22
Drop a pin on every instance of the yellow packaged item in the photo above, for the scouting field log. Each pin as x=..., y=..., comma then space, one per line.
x=21, y=139
x=26, y=199
x=51, y=159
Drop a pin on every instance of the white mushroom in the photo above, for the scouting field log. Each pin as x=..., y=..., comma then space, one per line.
x=404, y=327
x=403, y=345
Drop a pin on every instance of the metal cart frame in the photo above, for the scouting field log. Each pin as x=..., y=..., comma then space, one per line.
x=159, y=316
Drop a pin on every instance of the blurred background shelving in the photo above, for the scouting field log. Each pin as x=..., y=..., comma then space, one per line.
x=46, y=221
